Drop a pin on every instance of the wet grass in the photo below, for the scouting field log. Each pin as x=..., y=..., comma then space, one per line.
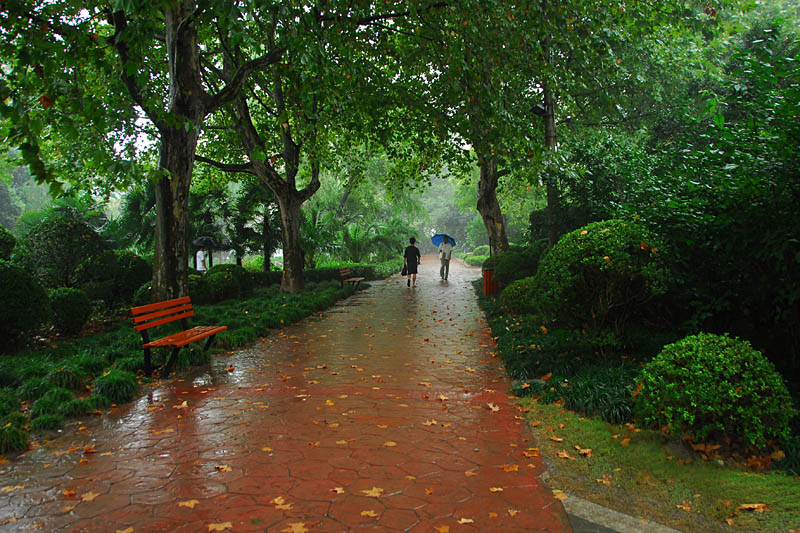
x=645, y=474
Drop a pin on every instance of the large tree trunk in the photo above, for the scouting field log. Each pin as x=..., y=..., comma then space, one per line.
x=489, y=207
x=551, y=141
x=292, y=280
x=176, y=157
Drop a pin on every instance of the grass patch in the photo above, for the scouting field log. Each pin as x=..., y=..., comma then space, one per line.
x=643, y=473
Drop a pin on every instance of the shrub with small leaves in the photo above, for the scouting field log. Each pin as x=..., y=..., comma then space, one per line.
x=117, y=385
x=23, y=301
x=519, y=297
x=714, y=387
x=7, y=243
x=44, y=422
x=71, y=309
x=518, y=263
x=602, y=276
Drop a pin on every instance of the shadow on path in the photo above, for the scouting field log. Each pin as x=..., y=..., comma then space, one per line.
x=387, y=412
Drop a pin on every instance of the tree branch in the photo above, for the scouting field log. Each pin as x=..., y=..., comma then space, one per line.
x=234, y=87
x=226, y=167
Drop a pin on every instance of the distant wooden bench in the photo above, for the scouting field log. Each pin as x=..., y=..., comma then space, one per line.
x=346, y=276
x=157, y=314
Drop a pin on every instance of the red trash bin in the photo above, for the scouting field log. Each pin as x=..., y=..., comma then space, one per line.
x=489, y=284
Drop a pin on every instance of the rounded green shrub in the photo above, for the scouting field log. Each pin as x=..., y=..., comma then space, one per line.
x=715, y=386
x=475, y=260
x=490, y=262
x=13, y=439
x=602, y=276
x=7, y=243
x=23, y=301
x=119, y=386
x=518, y=263
x=50, y=421
x=519, y=297
x=483, y=249
x=55, y=248
x=71, y=309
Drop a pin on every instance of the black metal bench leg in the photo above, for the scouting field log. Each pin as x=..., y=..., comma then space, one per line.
x=208, y=343
x=148, y=367
x=172, y=358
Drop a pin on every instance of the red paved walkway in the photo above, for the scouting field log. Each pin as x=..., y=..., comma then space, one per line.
x=388, y=413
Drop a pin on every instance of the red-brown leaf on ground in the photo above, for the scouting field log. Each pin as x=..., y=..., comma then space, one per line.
x=564, y=454
x=755, y=507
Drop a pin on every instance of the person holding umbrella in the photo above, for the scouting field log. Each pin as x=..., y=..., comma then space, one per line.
x=446, y=244
x=201, y=260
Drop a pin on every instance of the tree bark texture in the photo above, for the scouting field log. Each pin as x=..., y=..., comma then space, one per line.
x=489, y=207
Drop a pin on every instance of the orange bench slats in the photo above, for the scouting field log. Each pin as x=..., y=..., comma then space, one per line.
x=171, y=311
x=186, y=337
x=159, y=305
x=167, y=320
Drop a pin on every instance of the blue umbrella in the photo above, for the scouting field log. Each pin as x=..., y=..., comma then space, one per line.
x=439, y=237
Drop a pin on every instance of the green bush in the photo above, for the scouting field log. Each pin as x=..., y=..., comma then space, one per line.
x=55, y=248
x=34, y=388
x=23, y=302
x=475, y=260
x=714, y=387
x=142, y=295
x=602, y=276
x=7, y=243
x=49, y=421
x=235, y=272
x=518, y=263
x=490, y=262
x=132, y=272
x=519, y=297
x=13, y=439
x=117, y=385
x=222, y=286
x=483, y=249
x=71, y=309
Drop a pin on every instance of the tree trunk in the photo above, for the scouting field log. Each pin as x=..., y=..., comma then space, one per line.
x=266, y=239
x=489, y=207
x=292, y=280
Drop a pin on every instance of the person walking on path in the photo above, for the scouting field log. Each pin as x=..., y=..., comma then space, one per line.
x=201, y=260
x=445, y=251
x=411, y=258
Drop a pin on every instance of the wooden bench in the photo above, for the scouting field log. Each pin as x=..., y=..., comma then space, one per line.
x=157, y=314
x=346, y=276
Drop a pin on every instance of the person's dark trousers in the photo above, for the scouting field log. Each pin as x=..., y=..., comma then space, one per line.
x=444, y=271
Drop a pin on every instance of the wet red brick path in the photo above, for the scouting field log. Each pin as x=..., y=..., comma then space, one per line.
x=386, y=413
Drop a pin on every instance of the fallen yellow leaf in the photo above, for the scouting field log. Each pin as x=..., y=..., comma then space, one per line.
x=755, y=507
x=69, y=493
x=495, y=489
x=188, y=503
x=374, y=492
x=220, y=527
x=296, y=527
x=559, y=494
x=564, y=454
x=338, y=490
x=442, y=529
x=493, y=407
x=510, y=468
x=513, y=512
x=223, y=468
x=370, y=513
x=556, y=439
x=89, y=496
x=390, y=444
x=126, y=530
x=686, y=505
x=466, y=521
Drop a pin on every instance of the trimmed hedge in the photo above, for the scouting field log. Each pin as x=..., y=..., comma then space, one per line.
x=715, y=387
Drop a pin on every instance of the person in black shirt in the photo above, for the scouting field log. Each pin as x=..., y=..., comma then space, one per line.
x=411, y=259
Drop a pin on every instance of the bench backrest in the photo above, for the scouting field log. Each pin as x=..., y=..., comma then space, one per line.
x=345, y=272
x=152, y=315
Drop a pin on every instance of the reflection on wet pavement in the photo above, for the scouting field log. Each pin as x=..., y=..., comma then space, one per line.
x=388, y=412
